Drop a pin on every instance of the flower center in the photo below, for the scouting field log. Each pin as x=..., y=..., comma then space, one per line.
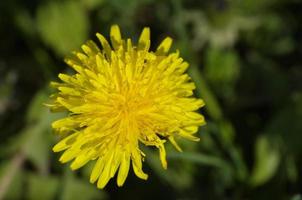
x=131, y=104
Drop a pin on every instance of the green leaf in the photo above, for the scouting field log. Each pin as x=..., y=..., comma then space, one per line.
x=37, y=147
x=287, y=123
x=266, y=161
x=42, y=187
x=14, y=180
x=178, y=175
x=291, y=168
x=63, y=25
x=36, y=108
x=25, y=23
x=227, y=132
x=78, y=189
x=204, y=91
x=297, y=197
x=222, y=66
x=91, y=4
x=6, y=91
x=37, y=137
x=222, y=70
x=199, y=158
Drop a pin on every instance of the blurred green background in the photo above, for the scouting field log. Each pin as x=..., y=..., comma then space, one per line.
x=246, y=60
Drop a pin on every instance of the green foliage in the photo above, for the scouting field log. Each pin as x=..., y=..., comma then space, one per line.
x=14, y=188
x=62, y=25
x=222, y=70
x=36, y=141
x=245, y=58
x=42, y=187
x=74, y=188
x=267, y=159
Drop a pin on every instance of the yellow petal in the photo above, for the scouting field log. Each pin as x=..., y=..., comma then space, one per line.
x=115, y=36
x=137, y=165
x=65, y=122
x=90, y=48
x=129, y=46
x=69, y=155
x=80, y=160
x=144, y=39
x=105, y=44
x=139, y=172
x=64, y=144
x=191, y=129
x=66, y=78
x=162, y=156
x=115, y=163
x=174, y=143
x=97, y=169
x=105, y=175
x=195, y=119
x=124, y=169
x=82, y=57
x=187, y=135
x=164, y=46
x=70, y=91
x=182, y=68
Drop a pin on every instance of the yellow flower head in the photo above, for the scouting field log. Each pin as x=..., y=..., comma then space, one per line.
x=120, y=97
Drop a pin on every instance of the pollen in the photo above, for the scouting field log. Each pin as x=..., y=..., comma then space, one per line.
x=120, y=97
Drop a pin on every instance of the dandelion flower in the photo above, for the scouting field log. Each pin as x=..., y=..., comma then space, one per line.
x=120, y=97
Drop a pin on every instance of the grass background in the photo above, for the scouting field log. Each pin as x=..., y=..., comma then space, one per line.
x=245, y=58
